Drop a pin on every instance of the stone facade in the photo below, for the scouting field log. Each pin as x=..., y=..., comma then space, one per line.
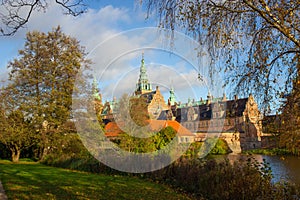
x=156, y=103
x=237, y=121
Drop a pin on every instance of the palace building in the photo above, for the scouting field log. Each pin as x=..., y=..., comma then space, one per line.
x=237, y=120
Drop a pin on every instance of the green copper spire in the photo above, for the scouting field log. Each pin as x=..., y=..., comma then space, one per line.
x=143, y=85
x=96, y=90
x=143, y=74
x=172, y=96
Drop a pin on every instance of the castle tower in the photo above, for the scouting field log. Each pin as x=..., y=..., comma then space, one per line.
x=97, y=98
x=172, y=97
x=143, y=86
x=96, y=93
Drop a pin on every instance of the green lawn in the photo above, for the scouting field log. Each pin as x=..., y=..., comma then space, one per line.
x=29, y=180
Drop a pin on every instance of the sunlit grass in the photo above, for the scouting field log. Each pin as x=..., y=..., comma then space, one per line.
x=29, y=180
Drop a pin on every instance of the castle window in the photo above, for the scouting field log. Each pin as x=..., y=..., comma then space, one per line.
x=226, y=122
x=182, y=139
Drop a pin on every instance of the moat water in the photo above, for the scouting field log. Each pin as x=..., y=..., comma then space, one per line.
x=284, y=168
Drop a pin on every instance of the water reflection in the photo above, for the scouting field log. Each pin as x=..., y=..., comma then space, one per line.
x=284, y=168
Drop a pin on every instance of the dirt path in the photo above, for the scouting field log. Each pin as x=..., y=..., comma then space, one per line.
x=2, y=193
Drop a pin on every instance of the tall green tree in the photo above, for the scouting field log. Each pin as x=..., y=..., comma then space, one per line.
x=258, y=42
x=157, y=141
x=43, y=77
x=16, y=132
x=139, y=110
x=133, y=118
x=131, y=114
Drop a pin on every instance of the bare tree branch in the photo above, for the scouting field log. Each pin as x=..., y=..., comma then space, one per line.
x=253, y=41
x=15, y=14
x=282, y=54
x=72, y=8
x=273, y=20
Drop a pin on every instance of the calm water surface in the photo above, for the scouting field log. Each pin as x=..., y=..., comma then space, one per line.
x=286, y=168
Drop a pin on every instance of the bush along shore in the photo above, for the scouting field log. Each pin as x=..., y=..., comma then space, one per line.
x=271, y=152
x=201, y=178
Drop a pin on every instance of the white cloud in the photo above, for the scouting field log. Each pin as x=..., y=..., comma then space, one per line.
x=116, y=54
x=90, y=28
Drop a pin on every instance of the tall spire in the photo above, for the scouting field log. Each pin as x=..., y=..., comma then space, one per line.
x=143, y=71
x=172, y=96
x=96, y=94
x=143, y=85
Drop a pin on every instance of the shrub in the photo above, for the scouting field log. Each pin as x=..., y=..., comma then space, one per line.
x=221, y=148
x=208, y=179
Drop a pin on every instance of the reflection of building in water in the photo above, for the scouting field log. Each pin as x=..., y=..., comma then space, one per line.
x=238, y=120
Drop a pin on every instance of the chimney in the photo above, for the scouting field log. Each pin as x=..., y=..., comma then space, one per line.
x=208, y=96
x=235, y=97
x=208, y=101
x=224, y=97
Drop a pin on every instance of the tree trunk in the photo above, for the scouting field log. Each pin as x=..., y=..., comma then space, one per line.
x=43, y=151
x=15, y=154
x=43, y=145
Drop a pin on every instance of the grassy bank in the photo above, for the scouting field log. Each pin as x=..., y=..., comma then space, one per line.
x=30, y=180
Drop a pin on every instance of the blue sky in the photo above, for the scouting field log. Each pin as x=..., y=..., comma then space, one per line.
x=115, y=34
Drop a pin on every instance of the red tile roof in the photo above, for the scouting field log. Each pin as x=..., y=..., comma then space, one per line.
x=113, y=130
